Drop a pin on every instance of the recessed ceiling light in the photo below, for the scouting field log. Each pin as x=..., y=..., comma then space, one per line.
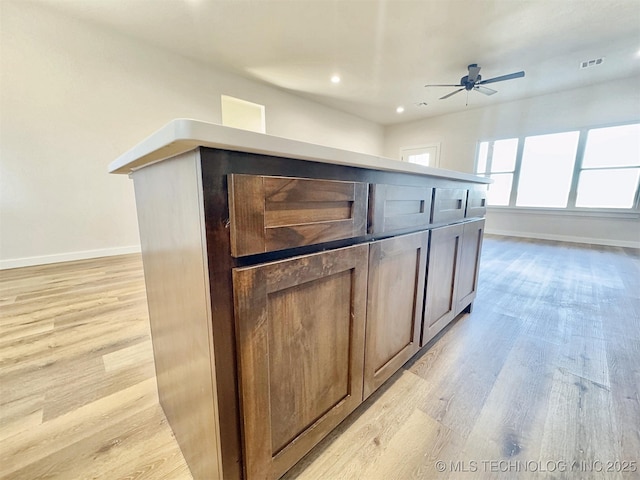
x=400, y=109
x=335, y=79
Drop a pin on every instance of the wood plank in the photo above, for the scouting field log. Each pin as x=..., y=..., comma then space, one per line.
x=503, y=383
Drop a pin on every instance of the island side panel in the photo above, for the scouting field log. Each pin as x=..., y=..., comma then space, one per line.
x=172, y=234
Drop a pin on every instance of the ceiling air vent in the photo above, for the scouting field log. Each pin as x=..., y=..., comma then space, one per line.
x=592, y=63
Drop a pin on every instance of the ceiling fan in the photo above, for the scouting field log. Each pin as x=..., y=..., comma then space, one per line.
x=473, y=81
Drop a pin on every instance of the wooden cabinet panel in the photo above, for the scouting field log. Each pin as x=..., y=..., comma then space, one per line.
x=399, y=207
x=275, y=213
x=476, y=202
x=300, y=326
x=469, y=264
x=397, y=268
x=440, y=299
x=448, y=205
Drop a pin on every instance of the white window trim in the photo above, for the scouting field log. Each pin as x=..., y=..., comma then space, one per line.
x=632, y=212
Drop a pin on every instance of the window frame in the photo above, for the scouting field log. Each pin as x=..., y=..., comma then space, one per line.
x=571, y=207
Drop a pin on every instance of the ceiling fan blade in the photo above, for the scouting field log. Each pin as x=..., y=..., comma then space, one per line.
x=485, y=90
x=474, y=70
x=501, y=78
x=452, y=93
x=456, y=85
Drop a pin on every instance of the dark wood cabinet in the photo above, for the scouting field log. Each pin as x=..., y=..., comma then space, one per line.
x=448, y=205
x=300, y=324
x=397, y=268
x=452, y=274
x=397, y=208
x=476, y=202
x=469, y=265
x=282, y=290
x=442, y=272
x=270, y=213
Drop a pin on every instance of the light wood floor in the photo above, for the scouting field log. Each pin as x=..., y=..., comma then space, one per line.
x=543, y=375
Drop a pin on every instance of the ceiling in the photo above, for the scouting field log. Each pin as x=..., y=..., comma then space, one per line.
x=385, y=51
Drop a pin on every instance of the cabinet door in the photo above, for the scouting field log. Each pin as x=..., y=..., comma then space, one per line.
x=469, y=264
x=444, y=256
x=397, y=268
x=300, y=334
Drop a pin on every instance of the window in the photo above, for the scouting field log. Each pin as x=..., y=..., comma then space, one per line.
x=582, y=169
x=427, y=155
x=497, y=160
x=610, y=168
x=547, y=170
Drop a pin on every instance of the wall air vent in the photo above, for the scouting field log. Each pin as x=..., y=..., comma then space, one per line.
x=592, y=63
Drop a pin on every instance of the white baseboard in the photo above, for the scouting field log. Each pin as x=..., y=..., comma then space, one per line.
x=66, y=257
x=566, y=238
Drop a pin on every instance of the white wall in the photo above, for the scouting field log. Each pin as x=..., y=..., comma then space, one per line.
x=610, y=102
x=74, y=97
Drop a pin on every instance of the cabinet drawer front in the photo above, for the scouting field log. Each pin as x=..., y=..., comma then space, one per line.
x=300, y=329
x=448, y=205
x=476, y=202
x=275, y=213
x=399, y=207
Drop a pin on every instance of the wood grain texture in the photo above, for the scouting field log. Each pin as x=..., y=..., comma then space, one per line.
x=476, y=201
x=399, y=208
x=246, y=214
x=469, y=266
x=397, y=271
x=448, y=205
x=270, y=213
x=172, y=232
x=445, y=246
x=300, y=326
x=78, y=395
x=547, y=365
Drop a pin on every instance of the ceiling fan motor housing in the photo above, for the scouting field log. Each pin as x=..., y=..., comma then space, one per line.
x=469, y=84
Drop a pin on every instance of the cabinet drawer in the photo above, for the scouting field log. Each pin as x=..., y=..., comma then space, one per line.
x=275, y=213
x=399, y=207
x=449, y=205
x=476, y=203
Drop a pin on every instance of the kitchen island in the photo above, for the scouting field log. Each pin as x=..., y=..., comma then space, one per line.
x=287, y=281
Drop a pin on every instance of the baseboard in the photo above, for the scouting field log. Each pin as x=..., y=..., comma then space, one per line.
x=66, y=257
x=566, y=238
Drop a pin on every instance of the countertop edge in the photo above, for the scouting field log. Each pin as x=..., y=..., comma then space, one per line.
x=182, y=135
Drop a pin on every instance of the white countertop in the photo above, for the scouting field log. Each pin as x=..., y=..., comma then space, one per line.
x=181, y=135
